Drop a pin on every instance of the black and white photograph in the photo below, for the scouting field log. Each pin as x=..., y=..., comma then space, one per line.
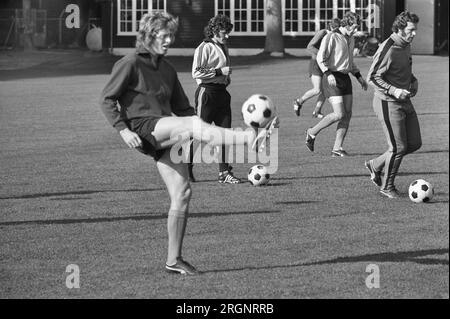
x=224, y=157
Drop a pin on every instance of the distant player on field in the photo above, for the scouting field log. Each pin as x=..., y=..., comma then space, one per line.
x=335, y=59
x=212, y=71
x=314, y=71
x=391, y=76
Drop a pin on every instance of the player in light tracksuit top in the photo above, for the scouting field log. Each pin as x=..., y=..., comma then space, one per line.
x=335, y=59
x=314, y=71
x=211, y=70
x=391, y=76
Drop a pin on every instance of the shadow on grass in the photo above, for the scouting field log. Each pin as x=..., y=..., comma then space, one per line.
x=414, y=256
x=365, y=175
x=355, y=175
x=296, y=202
x=86, y=192
x=418, y=152
x=125, y=218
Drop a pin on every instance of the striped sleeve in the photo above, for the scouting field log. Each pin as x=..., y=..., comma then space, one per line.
x=324, y=53
x=200, y=69
x=380, y=65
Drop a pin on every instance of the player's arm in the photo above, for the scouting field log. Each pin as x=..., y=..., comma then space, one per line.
x=380, y=65
x=357, y=74
x=116, y=85
x=114, y=88
x=326, y=47
x=414, y=87
x=200, y=66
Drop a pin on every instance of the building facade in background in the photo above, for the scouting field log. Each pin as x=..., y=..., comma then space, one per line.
x=300, y=20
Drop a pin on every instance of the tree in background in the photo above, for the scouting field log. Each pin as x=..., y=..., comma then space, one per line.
x=274, y=37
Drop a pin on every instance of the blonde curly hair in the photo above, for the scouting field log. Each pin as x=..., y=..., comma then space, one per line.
x=151, y=23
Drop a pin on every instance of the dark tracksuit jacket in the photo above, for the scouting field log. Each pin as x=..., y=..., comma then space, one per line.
x=391, y=69
x=142, y=86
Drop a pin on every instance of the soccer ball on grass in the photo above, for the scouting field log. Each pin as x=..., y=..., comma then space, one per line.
x=420, y=191
x=258, y=175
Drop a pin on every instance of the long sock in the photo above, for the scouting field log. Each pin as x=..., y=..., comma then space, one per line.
x=176, y=227
x=341, y=132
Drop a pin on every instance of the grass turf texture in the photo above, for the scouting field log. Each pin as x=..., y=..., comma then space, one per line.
x=71, y=192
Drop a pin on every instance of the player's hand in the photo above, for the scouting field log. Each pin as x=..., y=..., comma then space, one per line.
x=363, y=83
x=130, y=138
x=401, y=94
x=331, y=80
x=414, y=88
x=226, y=70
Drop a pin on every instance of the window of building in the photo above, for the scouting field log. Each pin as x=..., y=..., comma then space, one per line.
x=130, y=12
x=305, y=17
x=247, y=16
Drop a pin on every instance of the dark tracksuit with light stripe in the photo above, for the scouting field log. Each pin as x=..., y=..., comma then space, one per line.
x=392, y=69
x=212, y=100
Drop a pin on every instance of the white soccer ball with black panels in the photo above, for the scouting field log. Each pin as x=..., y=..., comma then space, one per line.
x=420, y=191
x=258, y=110
x=258, y=175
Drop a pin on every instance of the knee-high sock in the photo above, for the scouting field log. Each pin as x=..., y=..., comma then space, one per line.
x=341, y=132
x=176, y=227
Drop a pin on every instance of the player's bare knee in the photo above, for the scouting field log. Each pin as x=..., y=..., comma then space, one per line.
x=181, y=196
x=185, y=194
x=338, y=116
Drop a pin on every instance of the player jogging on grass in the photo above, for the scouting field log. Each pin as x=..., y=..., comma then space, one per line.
x=315, y=73
x=391, y=76
x=335, y=59
x=211, y=70
x=144, y=101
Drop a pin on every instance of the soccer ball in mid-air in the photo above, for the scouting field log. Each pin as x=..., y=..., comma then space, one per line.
x=258, y=110
x=420, y=191
x=258, y=175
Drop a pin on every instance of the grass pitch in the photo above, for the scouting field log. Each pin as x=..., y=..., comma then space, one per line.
x=71, y=192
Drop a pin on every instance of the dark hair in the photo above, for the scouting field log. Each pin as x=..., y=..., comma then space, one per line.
x=350, y=18
x=401, y=21
x=334, y=24
x=151, y=23
x=217, y=23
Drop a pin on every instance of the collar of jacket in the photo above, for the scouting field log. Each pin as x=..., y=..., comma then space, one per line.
x=214, y=42
x=152, y=59
x=398, y=40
